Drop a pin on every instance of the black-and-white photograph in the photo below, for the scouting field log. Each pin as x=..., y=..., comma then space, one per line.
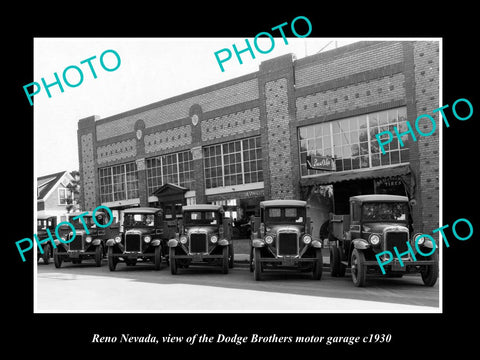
x=275, y=174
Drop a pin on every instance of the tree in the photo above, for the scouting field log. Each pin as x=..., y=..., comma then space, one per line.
x=74, y=188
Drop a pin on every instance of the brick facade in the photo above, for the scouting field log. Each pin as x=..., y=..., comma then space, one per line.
x=273, y=103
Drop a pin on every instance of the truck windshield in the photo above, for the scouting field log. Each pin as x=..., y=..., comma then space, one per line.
x=285, y=215
x=78, y=224
x=201, y=218
x=384, y=211
x=139, y=220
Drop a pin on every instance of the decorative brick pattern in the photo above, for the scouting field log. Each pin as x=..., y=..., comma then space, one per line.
x=88, y=175
x=278, y=129
x=345, y=65
x=168, y=139
x=385, y=89
x=116, y=151
x=212, y=100
x=426, y=58
x=231, y=124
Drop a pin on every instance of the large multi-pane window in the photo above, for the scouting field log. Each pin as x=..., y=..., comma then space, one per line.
x=352, y=141
x=118, y=182
x=174, y=168
x=233, y=163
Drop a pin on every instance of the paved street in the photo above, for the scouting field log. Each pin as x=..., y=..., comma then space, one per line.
x=86, y=288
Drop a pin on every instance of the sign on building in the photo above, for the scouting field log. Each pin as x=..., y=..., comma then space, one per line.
x=315, y=162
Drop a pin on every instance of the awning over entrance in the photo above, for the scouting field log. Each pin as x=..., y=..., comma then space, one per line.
x=170, y=192
x=369, y=173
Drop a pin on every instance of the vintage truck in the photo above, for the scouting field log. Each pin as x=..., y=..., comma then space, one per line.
x=377, y=223
x=143, y=237
x=281, y=238
x=204, y=238
x=45, y=222
x=84, y=245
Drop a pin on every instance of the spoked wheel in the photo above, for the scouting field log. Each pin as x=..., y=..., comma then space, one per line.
x=359, y=269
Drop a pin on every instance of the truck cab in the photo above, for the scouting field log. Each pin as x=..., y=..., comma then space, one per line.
x=377, y=223
x=282, y=239
x=205, y=237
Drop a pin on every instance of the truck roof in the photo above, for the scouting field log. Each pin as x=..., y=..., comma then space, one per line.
x=141, y=210
x=269, y=203
x=200, y=207
x=379, y=197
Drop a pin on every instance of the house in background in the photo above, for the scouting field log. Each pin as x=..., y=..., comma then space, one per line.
x=53, y=195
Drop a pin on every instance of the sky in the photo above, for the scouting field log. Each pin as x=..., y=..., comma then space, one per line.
x=151, y=69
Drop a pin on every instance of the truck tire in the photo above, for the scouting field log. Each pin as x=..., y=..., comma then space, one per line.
x=337, y=269
x=57, y=259
x=225, y=260
x=430, y=272
x=158, y=258
x=251, y=259
x=230, y=256
x=98, y=256
x=359, y=269
x=318, y=265
x=257, y=271
x=46, y=254
x=173, y=262
x=112, y=261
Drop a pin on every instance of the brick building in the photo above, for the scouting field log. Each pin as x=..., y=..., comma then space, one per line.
x=247, y=139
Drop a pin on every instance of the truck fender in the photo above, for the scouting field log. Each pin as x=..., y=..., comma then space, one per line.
x=110, y=242
x=155, y=242
x=96, y=242
x=316, y=244
x=172, y=243
x=223, y=242
x=428, y=244
x=360, y=244
x=257, y=243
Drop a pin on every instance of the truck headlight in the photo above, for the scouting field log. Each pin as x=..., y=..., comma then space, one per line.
x=214, y=239
x=147, y=239
x=269, y=239
x=183, y=239
x=421, y=239
x=88, y=239
x=307, y=239
x=118, y=239
x=374, y=239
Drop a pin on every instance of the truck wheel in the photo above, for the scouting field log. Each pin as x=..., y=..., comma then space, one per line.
x=318, y=265
x=251, y=259
x=98, y=256
x=359, y=269
x=173, y=262
x=112, y=261
x=57, y=259
x=430, y=272
x=257, y=271
x=46, y=254
x=334, y=261
x=158, y=258
x=225, y=260
x=231, y=256
x=337, y=269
